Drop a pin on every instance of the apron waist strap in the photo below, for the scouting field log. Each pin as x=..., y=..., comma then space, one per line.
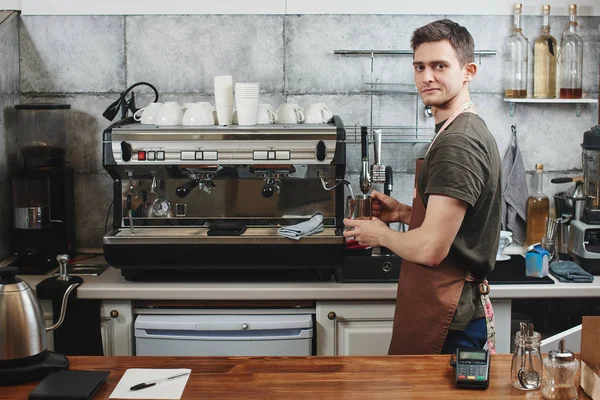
x=484, y=286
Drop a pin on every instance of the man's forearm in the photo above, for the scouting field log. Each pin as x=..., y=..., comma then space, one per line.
x=416, y=246
x=405, y=214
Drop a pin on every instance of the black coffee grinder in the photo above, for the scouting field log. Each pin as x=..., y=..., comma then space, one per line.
x=43, y=190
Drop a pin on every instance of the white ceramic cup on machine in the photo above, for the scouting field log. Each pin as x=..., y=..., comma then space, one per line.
x=198, y=114
x=169, y=114
x=224, y=99
x=289, y=113
x=266, y=114
x=317, y=113
x=504, y=241
x=147, y=115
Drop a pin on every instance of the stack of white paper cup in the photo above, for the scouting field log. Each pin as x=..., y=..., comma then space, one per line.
x=246, y=102
x=224, y=99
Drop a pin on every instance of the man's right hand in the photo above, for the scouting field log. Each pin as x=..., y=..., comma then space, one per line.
x=389, y=209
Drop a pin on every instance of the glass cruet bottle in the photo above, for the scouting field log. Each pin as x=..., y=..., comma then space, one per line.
x=559, y=372
x=571, y=59
x=515, y=59
x=526, y=366
x=544, y=66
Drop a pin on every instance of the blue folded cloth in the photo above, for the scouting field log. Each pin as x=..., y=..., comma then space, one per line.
x=568, y=271
x=306, y=228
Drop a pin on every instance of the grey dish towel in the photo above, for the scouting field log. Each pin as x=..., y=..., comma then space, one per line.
x=306, y=228
x=514, y=193
x=568, y=271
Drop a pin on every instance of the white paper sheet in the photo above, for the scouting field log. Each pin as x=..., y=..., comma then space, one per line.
x=165, y=390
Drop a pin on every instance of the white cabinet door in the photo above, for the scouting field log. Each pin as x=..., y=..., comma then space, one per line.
x=115, y=323
x=354, y=328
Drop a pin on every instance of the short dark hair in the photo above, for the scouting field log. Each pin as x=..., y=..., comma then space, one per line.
x=458, y=36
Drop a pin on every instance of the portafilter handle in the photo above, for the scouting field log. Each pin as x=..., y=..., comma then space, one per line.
x=185, y=189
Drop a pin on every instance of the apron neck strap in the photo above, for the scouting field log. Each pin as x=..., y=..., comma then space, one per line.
x=464, y=107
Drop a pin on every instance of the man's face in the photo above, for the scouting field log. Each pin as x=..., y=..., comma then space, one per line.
x=438, y=74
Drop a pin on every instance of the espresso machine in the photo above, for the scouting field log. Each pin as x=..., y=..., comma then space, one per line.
x=43, y=191
x=584, y=235
x=207, y=201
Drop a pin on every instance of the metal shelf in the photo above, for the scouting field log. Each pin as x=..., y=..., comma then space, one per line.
x=578, y=102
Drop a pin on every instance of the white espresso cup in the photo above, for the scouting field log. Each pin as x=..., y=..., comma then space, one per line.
x=317, y=113
x=504, y=241
x=289, y=113
x=198, y=114
x=147, y=115
x=265, y=114
x=169, y=114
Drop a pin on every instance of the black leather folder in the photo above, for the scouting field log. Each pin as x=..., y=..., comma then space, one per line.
x=69, y=384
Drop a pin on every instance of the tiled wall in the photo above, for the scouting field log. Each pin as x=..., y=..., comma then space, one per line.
x=9, y=96
x=87, y=60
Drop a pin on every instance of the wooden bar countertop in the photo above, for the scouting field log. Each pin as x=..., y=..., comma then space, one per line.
x=307, y=378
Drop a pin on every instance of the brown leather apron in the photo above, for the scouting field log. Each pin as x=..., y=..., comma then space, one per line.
x=427, y=297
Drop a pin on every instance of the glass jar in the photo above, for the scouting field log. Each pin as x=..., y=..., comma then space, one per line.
x=526, y=367
x=550, y=245
x=559, y=372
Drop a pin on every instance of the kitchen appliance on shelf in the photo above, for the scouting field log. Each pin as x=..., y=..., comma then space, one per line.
x=24, y=356
x=584, y=234
x=568, y=207
x=43, y=189
x=209, y=200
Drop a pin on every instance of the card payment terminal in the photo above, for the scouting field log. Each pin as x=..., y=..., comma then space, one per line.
x=472, y=368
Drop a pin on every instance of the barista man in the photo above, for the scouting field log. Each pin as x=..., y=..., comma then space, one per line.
x=454, y=221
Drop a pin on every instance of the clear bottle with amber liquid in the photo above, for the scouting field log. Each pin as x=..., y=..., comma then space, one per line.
x=538, y=207
x=544, y=66
x=516, y=52
x=571, y=59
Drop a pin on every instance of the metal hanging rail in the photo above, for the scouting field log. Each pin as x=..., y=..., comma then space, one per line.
x=396, y=134
x=393, y=134
x=398, y=52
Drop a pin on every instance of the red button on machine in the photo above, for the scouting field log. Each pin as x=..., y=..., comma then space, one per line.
x=141, y=155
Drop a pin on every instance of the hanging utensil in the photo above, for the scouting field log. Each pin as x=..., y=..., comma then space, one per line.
x=365, y=179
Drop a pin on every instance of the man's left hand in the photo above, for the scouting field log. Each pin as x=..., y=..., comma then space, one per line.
x=366, y=232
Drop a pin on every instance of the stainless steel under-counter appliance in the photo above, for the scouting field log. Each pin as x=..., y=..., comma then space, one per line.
x=213, y=197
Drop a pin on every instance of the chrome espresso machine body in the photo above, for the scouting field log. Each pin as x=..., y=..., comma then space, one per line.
x=213, y=197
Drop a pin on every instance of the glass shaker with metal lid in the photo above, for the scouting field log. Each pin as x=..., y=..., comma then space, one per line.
x=591, y=175
x=559, y=372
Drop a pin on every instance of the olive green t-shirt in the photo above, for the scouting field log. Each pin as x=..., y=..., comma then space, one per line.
x=464, y=163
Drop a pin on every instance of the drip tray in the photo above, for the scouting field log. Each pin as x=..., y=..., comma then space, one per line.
x=85, y=269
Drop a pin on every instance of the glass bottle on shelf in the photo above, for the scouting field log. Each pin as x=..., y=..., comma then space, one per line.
x=571, y=59
x=515, y=59
x=538, y=207
x=544, y=55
